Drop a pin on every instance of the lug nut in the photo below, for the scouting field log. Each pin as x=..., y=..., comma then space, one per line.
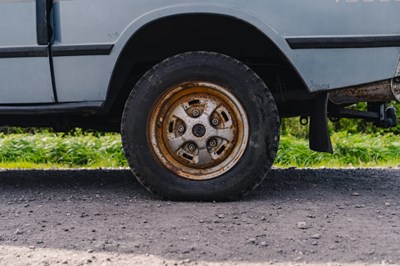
x=191, y=147
x=213, y=143
x=181, y=128
x=195, y=113
x=215, y=122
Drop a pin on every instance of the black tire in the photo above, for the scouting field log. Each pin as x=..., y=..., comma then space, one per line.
x=244, y=84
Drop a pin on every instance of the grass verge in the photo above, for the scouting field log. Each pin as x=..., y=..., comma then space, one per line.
x=48, y=150
x=88, y=150
x=350, y=150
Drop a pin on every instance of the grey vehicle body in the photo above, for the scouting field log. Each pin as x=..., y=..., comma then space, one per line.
x=102, y=22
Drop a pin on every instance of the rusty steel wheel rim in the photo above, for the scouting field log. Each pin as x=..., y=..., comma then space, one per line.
x=198, y=130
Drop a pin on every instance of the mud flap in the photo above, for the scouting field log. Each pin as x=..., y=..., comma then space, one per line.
x=319, y=134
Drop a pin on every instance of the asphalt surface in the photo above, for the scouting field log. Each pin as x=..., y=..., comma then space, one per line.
x=104, y=217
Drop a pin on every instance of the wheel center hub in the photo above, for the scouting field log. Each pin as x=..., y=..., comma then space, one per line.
x=199, y=130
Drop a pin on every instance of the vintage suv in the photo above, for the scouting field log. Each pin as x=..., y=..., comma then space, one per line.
x=197, y=87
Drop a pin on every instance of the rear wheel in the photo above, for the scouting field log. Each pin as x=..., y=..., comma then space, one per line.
x=200, y=126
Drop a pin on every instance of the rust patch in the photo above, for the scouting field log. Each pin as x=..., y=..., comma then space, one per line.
x=382, y=91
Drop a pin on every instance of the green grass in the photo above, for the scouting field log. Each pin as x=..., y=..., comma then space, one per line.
x=47, y=150
x=350, y=150
x=92, y=150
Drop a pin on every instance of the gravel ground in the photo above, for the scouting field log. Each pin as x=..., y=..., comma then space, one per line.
x=104, y=217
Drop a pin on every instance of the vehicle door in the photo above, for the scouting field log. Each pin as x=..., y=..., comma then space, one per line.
x=25, y=76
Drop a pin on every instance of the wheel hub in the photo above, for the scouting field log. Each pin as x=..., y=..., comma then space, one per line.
x=198, y=130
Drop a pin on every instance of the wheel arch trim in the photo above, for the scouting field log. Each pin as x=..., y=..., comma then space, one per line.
x=234, y=13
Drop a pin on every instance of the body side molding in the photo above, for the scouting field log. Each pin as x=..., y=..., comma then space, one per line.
x=343, y=42
x=65, y=50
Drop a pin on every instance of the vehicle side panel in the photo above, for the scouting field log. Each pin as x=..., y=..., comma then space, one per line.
x=82, y=22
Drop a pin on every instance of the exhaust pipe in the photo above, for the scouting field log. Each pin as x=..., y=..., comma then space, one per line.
x=381, y=91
